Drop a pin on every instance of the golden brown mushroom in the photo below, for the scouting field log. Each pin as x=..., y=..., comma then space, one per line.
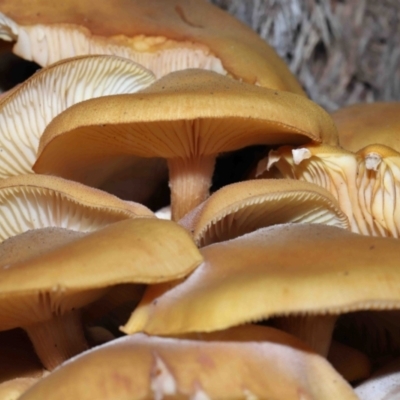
x=187, y=117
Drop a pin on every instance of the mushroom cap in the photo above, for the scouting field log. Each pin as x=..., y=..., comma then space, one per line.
x=184, y=114
x=28, y=109
x=140, y=367
x=361, y=125
x=35, y=242
x=275, y=271
x=37, y=201
x=144, y=250
x=201, y=35
x=243, y=207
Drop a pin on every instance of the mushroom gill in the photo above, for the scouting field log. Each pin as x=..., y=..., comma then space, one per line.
x=163, y=35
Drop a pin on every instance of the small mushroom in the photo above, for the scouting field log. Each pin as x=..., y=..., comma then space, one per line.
x=243, y=207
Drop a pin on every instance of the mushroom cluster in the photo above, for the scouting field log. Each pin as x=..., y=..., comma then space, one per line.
x=285, y=287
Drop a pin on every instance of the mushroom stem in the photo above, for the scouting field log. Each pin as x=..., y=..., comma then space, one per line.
x=315, y=330
x=189, y=181
x=57, y=339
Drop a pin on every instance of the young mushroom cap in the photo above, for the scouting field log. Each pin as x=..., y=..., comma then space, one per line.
x=141, y=367
x=163, y=35
x=41, y=293
x=36, y=201
x=246, y=206
x=25, y=113
x=277, y=271
x=187, y=117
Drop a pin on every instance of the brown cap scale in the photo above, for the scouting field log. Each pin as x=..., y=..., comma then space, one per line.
x=41, y=294
x=278, y=271
x=141, y=367
x=163, y=35
x=243, y=207
x=187, y=117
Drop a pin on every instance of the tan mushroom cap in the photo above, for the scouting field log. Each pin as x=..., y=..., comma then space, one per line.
x=35, y=242
x=27, y=110
x=148, y=250
x=187, y=117
x=163, y=35
x=243, y=207
x=276, y=271
x=37, y=201
x=361, y=125
x=140, y=367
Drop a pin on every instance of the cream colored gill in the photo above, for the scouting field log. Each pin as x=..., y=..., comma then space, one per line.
x=26, y=112
x=46, y=44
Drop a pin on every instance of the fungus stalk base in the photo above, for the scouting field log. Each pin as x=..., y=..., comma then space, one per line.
x=58, y=339
x=316, y=330
x=189, y=181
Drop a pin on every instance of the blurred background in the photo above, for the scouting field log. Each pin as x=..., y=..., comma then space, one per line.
x=342, y=51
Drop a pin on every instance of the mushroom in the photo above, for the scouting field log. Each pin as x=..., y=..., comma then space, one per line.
x=163, y=35
x=187, y=117
x=27, y=110
x=306, y=273
x=42, y=294
x=141, y=367
x=243, y=207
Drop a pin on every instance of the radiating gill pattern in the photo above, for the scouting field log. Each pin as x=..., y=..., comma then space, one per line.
x=48, y=44
x=367, y=196
x=263, y=211
x=25, y=114
x=378, y=193
x=22, y=209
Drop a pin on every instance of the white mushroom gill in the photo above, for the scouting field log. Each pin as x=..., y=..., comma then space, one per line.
x=48, y=44
x=26, y=112
x=366, y=186
x=23, y=209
